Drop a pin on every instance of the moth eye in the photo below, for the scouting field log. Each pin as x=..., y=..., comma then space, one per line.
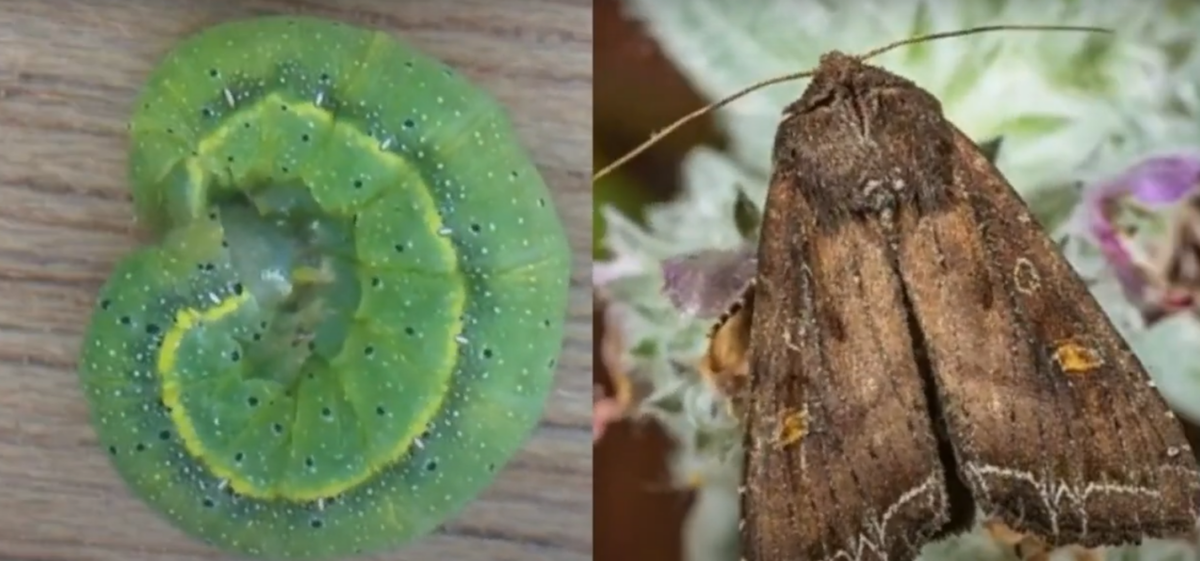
x=333, y=267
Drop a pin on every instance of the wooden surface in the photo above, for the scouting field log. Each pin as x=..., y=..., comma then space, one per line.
x=69, y=71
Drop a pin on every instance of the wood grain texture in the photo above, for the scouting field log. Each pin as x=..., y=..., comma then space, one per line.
x=69, y=71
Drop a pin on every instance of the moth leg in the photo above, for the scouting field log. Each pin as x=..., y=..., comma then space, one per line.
x=726, y=363
x=718, y=284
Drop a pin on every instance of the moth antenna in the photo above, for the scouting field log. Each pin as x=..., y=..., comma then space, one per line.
x=697, y=114
x=808, y=73
x=974, y=30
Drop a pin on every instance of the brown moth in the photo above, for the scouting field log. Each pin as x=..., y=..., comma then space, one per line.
x=909, y=302
x=918, y=357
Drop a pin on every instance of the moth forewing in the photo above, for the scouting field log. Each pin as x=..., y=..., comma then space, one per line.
x=832, y=346
x=1055, y=424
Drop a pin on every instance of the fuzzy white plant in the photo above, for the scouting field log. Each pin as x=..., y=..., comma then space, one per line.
x=1071, y=108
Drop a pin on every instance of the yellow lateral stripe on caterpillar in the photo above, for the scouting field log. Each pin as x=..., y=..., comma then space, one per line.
x=190, y=318
x=186, y=320
x=216, y=139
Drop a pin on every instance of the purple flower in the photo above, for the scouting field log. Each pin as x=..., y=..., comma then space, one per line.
x=706, y=283
x=1130, y=219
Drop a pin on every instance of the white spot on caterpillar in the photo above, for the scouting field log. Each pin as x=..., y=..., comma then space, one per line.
x=277, y=278
x=320, y=99
x=229, y=97
x=461, y=340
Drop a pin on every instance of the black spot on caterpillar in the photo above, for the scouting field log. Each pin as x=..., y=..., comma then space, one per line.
x=351, y=316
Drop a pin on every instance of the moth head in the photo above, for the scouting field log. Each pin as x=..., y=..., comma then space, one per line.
x=844, y=82
x=858, y=127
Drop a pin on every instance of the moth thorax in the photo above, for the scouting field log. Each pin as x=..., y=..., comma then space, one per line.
x=879, y=195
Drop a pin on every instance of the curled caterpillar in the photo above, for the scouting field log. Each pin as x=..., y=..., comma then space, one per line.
x=350, y=318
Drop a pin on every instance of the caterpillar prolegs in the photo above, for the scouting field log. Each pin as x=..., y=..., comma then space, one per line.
x=350, y=318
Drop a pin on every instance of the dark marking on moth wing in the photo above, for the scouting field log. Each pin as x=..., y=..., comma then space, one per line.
x=909, y=303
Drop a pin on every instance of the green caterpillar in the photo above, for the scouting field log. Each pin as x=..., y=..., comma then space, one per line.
x=350, y=320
